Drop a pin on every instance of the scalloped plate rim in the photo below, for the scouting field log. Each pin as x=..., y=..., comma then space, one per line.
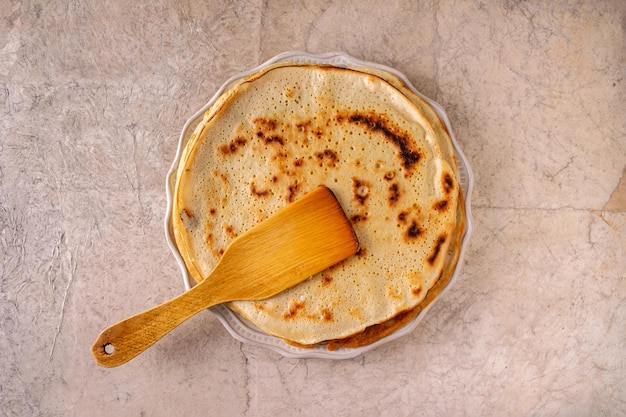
x=238, y=327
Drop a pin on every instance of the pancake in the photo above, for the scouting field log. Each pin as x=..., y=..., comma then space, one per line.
x=382, y=150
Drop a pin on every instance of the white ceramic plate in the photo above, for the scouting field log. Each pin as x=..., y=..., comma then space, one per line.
x=242, y=329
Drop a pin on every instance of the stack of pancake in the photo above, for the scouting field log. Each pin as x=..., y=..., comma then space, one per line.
x=381, y=149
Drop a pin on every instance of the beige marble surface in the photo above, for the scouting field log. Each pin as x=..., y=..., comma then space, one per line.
x=93, y=95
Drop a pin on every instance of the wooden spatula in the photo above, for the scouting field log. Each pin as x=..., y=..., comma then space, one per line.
x=300, y=240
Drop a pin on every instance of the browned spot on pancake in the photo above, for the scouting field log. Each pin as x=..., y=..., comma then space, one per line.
x=231, y=148
x=221, y=175
x=327, y=315
x=274, y=139
x=221, y=252
x=389, y=175
x=229, y=230
x=281, y=155
x=447, y=183
x=360, y=189
x=358, y=218
x=294, y=308
x=376, y=123
x=438, y=244
x=416, y=291
x=274, y=179
x=185, y=214
x=265, y=123
x=326, y=280
x=292, y=189
x=256, y=192
x=413, y=232
x=303, y=126
x=212, y=212
x=441, y=205
x=318, y=133
x=289, y=93
x=402, y=216
x=361, y=252
x=394, y=293
x=394, y=194
x=259, y=306
x=327, y=155
x=298, y=162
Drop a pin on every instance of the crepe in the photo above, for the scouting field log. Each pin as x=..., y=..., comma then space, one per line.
x=379, y=147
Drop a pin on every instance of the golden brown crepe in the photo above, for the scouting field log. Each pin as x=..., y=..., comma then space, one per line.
x=383, y=151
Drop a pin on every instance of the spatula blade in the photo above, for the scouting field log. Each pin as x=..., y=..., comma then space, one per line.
x=297, y=242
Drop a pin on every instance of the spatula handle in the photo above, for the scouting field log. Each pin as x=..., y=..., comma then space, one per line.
x=123, y=341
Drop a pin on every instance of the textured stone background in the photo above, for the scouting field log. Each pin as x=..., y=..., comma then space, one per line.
x=93, y=95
